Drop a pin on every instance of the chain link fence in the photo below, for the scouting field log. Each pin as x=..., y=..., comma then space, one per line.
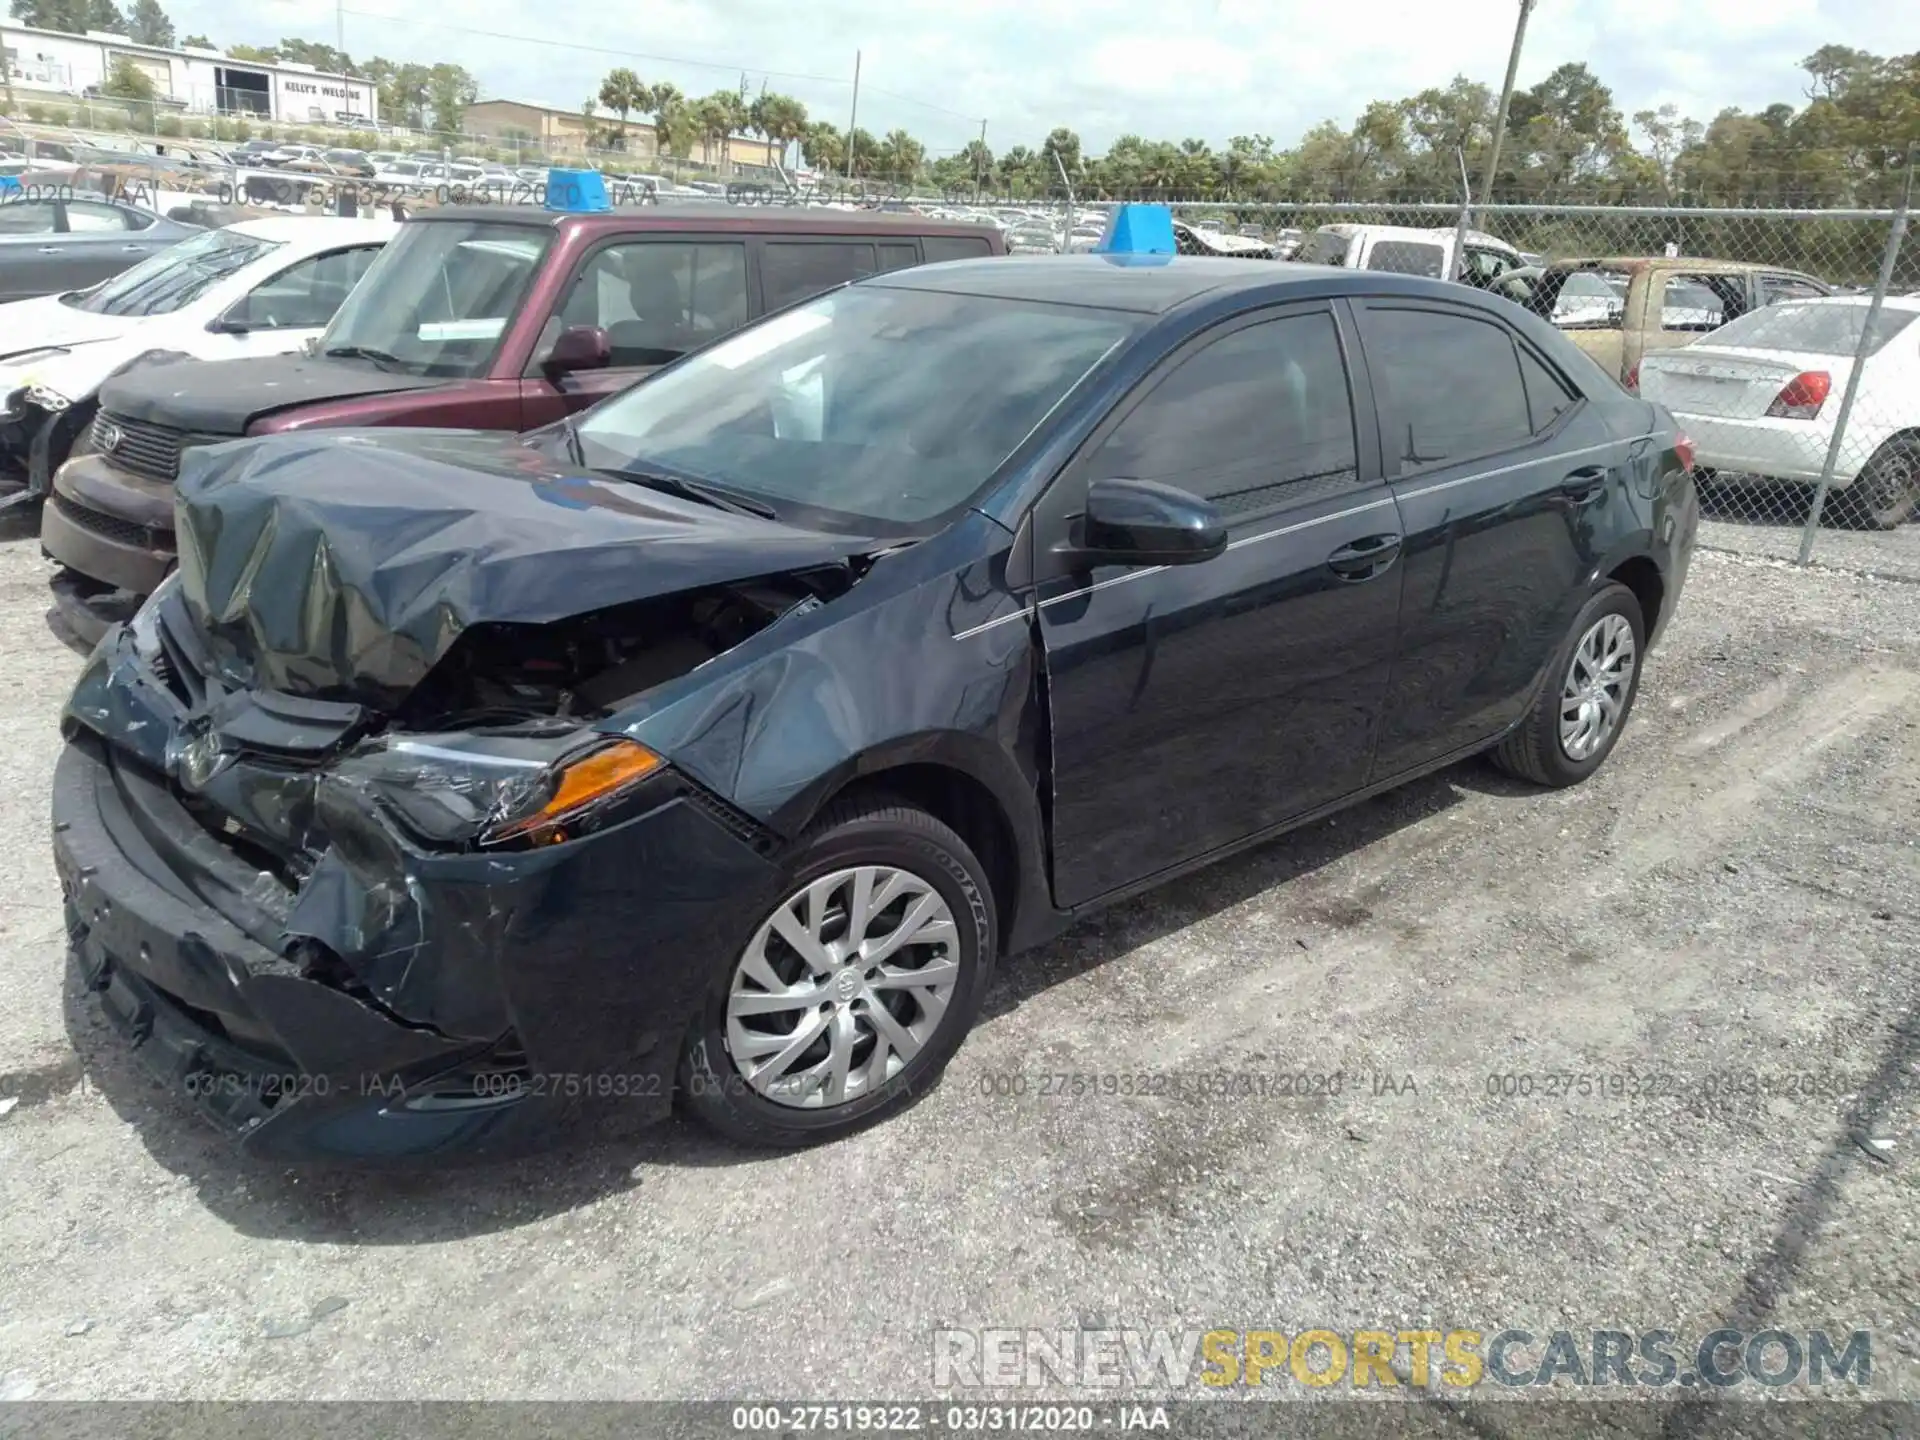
x=1786, y=342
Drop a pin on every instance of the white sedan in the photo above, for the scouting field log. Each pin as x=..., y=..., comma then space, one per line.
x=1760, y=397
x=259, y=287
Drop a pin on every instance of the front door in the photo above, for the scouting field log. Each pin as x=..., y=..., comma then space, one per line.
x=656, y=299
x=1505, y=483
x=1196, y=705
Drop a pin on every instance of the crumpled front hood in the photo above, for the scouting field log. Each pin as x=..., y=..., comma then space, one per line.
x=223, y=397
x=344, y=564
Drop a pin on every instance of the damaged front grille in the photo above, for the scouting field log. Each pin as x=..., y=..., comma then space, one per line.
x=98, y=522
x=139, y=448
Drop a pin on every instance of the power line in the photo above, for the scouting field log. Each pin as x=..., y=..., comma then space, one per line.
x=618, y=52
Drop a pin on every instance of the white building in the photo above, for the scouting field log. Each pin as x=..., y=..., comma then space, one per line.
x=49, y=66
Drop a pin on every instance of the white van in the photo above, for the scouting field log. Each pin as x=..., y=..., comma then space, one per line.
x=1406, y=250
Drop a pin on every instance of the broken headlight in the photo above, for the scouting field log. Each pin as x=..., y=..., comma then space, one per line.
x=145, y=624
x=501, y=789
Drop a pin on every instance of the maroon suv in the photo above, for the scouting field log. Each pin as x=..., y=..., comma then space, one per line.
x=475, y=317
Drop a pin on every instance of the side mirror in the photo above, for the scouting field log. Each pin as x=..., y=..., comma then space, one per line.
x=1142, y=522
x=580, y=347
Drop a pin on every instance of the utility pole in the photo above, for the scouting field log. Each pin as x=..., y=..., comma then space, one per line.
x=853, y=120
x=340, y=29
x=1506, y=99
x=978, y=161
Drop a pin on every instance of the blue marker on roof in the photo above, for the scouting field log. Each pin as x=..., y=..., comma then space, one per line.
x=9, y=185
x=1138, y=230
x=577, y=192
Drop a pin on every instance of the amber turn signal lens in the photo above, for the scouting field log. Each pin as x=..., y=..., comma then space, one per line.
x=591, y=778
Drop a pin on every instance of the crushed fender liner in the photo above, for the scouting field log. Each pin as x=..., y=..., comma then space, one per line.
x=269, y=882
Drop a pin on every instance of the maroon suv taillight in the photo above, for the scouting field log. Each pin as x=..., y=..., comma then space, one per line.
x=1801, y=397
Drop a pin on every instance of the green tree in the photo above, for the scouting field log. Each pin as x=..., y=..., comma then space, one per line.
x=127, y=81
x=824, y=147
x=148, y=24
x=781, y=118
x=901, y=157
x=74, y=17
x=321, y=57
x=623, y=92
x=718, y=115
x=199, y=42
x=259, y=54
x=450, y=90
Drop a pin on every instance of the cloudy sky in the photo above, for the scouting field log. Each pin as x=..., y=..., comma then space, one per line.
x=1207, y=68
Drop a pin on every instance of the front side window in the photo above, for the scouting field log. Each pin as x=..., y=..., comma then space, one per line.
x=177, y=276
x=26, y=217
x=1259, y=418
x=1449, y=383
x=440, y=297
x=873, y=409
x=1694, y=303
x=307, y=295
x=657, y=299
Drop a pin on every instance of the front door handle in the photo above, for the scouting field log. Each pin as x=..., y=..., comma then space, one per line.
x=48, y=249
x=1364, y=559
x=1585, y=484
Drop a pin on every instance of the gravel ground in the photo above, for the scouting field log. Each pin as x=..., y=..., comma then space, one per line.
x=1739, y=890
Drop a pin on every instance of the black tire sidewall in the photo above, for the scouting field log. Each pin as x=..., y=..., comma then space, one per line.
x=715, y=1091
x=1612, y=598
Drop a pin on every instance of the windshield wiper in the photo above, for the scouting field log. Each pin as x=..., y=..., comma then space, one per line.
x=694, y=490
x=366, y=352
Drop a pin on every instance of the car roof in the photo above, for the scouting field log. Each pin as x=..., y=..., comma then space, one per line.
x=796, y=219
x=297, y=227
x=1147, y=285
x=1685, y=262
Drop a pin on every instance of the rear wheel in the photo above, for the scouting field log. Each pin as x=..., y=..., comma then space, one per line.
x=1583, y=707
x=1886, y=493
x=854, y=989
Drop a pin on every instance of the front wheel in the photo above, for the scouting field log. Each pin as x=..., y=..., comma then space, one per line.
x=1581, y=710
x=854, y=989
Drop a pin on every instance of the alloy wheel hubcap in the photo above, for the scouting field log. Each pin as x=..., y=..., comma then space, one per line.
x=844, y=983
x=1595, y=693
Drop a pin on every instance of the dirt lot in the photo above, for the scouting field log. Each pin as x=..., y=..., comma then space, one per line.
x=1738, y=891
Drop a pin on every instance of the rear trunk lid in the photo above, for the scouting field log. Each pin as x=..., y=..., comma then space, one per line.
x=1730, y=384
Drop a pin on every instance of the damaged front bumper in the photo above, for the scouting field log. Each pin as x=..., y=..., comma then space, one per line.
x=386, y=1001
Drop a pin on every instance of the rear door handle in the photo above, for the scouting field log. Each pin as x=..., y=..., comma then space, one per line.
x=48, y=249
x=1584, y=484
x=1364, y=559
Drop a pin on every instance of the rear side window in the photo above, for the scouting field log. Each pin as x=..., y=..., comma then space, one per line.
x=91, y=215
x=956, y=247
x=1450, y=386
x=1547, y=397
x=898, y=255
x=792, y=270
x=1695, y=302
x=1775, y=288
x=1407, y=257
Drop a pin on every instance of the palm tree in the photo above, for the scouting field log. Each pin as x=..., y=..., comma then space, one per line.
x=823, y=147
x=670, y=119
x=901, y=156
x=782, y=119
x=720, y=114
x=622, y=92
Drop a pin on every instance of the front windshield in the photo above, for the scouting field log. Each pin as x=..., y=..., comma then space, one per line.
x=439, y=297
x=176, y=277
x=873, y=408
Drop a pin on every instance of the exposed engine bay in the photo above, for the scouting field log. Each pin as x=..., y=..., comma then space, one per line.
x=588, y=667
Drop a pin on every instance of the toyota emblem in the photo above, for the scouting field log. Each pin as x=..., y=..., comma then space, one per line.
x=106, y=435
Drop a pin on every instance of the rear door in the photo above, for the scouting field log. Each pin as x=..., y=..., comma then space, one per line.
x=657, y=297
x=1196, y=705
x=1506, y=485
x=99, y=242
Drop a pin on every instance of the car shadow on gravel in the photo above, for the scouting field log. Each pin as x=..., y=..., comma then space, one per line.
x=358, y=1206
